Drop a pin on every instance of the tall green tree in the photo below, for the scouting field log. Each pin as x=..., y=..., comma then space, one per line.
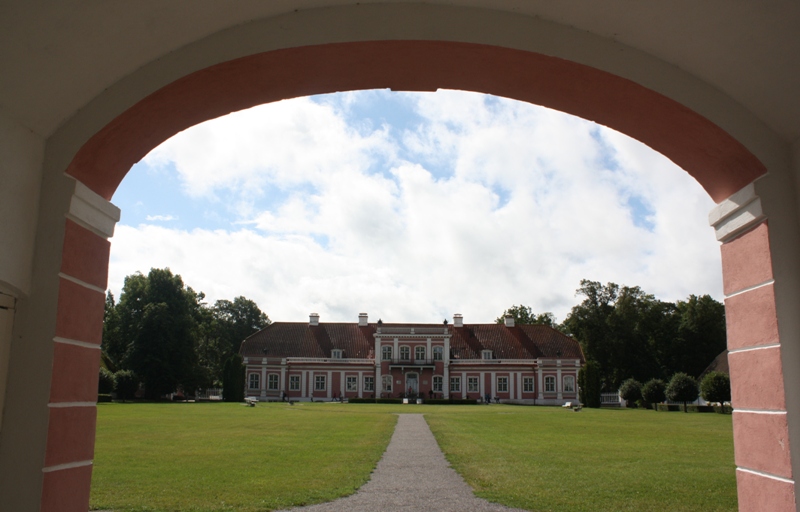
x=654, y=392
x=222, y=329
x=524, y=315
x=589, y=385
x=716, y=387
x=157, y=315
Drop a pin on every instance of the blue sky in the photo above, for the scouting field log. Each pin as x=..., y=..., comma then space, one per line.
x=412, y=207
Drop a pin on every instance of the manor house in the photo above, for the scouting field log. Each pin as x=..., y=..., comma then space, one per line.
x=532, y=364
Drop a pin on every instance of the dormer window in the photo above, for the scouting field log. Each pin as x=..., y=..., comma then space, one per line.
x=486, y=354
x=336, y=353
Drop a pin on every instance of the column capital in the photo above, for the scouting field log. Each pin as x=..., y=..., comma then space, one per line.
x=92, y=211
x=739, y=213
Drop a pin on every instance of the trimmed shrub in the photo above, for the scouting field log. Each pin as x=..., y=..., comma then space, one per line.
x=631, y=391
x=103, y=398
x=451, y=401
x=127, y=383
x=668, y=407
x=716, y=387
x=682, y=388
x=653, y=392
x=105, y=385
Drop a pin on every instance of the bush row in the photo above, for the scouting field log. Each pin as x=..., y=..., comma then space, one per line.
x=696, y=408
x=430, y=401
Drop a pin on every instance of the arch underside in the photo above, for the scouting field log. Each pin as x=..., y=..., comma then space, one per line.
x=719, y=162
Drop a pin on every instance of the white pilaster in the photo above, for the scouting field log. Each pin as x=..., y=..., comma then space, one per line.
x=303, y=388
x=539, y=381
x=360, y=384
x=559, y=384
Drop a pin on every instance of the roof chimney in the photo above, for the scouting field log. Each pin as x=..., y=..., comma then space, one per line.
x=362, y=320
x=313, y=319
x=458, y=320
x=509, y=321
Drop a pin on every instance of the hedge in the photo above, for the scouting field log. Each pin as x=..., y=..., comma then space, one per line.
x=104, y=397
x=431, y=401
x=689, y=408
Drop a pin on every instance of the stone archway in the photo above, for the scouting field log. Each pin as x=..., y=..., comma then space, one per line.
x=722, y=165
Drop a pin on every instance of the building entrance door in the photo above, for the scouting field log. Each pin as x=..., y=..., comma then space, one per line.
x=412, y=384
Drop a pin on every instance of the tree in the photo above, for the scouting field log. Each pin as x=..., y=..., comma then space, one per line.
x=113, y=346
x=157, y=316
x=233, y=379
x=682, y=388
x=716, y=387
x=221, y=330
x=523, y=315
x=654, y=391
x=631, y=391
x=105, y=384
x=126, y=383
x=701, y=334
x=589, y=385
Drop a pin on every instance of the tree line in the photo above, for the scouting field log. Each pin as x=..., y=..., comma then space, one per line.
x=626, y=333
x=161, y=333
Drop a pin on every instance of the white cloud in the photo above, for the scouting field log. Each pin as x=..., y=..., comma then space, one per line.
x=161, y=217
x=535, y=202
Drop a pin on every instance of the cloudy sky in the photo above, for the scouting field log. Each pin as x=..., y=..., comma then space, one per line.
x=412, y=207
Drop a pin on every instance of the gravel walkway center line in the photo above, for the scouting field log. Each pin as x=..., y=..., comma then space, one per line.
x=412, y=475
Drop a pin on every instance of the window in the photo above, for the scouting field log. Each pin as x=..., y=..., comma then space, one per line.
x=405, y=354
x=472, y=385
x=437, y=353
x=336, y=353
x=527, y=384
x=294, y=382
x=419, y=353
x=272, y=382
x=549, y=384
x=254, y=381
x=486, y=354
x=502, y=384
x=569, y=384
x=352, y=383
x=386, y=352
x=319, y=383
x=369, y=383
x=437, y=384
x=455, y=384
x=387, y=383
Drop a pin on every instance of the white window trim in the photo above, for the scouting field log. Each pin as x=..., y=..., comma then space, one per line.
x=270, y=380
x=504, y=381
x=438, y=353
x=351, y=379
x=486, y=354
x=440, y=384
x=571, y=388
x=250, y=380
x=318, y=379
x=386, y=350
x=387, y=379
x=417, y=351
x=477, y=385
x=336, y=353
x=400, y=353
x=369, y=383
x=549, y=379
x=294, y=383
x=456, y=381
x=525, y=382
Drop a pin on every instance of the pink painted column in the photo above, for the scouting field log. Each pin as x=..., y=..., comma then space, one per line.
x=76, y=353
x=761, y=434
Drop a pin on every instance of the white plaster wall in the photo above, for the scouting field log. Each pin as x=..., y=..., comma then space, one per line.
x=21, y=153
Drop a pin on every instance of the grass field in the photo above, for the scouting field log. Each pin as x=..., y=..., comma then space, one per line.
x=209, y=457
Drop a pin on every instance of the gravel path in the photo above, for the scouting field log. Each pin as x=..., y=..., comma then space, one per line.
x=412, y=475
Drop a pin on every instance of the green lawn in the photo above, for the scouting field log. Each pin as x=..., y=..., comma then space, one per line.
x=204, y=457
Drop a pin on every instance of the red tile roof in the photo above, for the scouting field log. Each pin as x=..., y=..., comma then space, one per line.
x=299, y=339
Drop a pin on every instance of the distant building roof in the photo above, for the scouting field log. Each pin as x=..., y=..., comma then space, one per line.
x=719, y=364
x=301, y=339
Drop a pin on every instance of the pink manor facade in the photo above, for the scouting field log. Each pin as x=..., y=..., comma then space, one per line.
x=531, y=364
